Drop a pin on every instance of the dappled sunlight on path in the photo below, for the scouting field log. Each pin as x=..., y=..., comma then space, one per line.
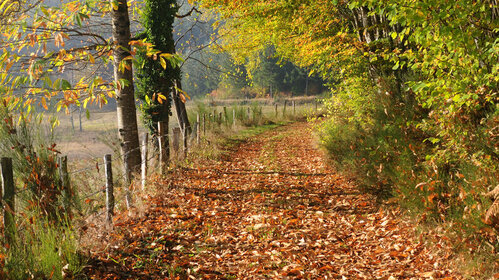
x=272, y=209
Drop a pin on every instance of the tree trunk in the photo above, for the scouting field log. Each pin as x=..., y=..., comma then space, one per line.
x=180, y=109
x=125, y=100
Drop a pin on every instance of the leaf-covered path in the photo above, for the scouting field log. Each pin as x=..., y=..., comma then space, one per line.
x=270, y=209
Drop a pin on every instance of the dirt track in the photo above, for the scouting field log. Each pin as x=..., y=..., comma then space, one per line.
x=270, y=209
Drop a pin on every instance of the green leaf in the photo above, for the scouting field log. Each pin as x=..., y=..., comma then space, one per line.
x=77, y=17
x=433, y=140
x=124, y=82
x=65, y=85
x=396, y=66
x=57, y=84
x=353, y=4
x=44, y=11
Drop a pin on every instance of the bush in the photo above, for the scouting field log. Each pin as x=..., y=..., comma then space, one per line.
x=378, y=135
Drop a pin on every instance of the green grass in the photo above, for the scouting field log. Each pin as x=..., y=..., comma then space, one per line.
x=221, y=136
x=44, y=250
x=218, y=142
x=256, y=130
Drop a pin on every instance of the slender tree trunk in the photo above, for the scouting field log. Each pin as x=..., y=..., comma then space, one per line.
x=127, y=116
x=180, y=109
x=183, y=110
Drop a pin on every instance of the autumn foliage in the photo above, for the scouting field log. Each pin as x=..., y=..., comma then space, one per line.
x=413, y=110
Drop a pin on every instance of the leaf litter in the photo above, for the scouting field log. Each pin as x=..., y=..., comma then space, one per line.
x=271, y=209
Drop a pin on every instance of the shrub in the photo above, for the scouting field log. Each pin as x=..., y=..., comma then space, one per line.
x=390, y=144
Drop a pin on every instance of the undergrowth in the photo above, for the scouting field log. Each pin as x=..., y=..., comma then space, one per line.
x=43, y=250
x=380, y=136
x=42, y=243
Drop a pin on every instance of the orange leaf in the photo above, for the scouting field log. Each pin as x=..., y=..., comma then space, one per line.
x=182, y=97
x=431, y=197
x=44, y=103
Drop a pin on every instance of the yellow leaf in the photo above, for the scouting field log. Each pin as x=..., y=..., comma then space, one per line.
x=161, y=97
x=163, y=62
x=114, y=3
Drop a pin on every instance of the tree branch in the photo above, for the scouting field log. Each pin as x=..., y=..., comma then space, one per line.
x=193, y=9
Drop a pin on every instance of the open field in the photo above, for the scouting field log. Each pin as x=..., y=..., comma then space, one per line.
x=98, y=135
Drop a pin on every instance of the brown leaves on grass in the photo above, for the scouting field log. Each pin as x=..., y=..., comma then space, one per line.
x=272, y=209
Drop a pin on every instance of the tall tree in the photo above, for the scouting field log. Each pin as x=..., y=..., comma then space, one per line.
x=159, y=79
x=156, y=75
x=123, y=76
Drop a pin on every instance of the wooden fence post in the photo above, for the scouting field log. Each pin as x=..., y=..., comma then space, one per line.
x=315, y=101
x=184, y=140
x=66, y=185
x=144, y=152
x=198, y=128
x=176, y=141
x=234, y=117
x=248, y=112
x=164, y=146
x=276, y=110
x=204, y=124
x=220, y=118
x=294, y=108
x=109, y=188
x=226, y=119
x=8, y=200
x=284, y=109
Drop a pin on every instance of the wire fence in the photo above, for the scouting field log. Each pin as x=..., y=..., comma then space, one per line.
x=99, y=183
